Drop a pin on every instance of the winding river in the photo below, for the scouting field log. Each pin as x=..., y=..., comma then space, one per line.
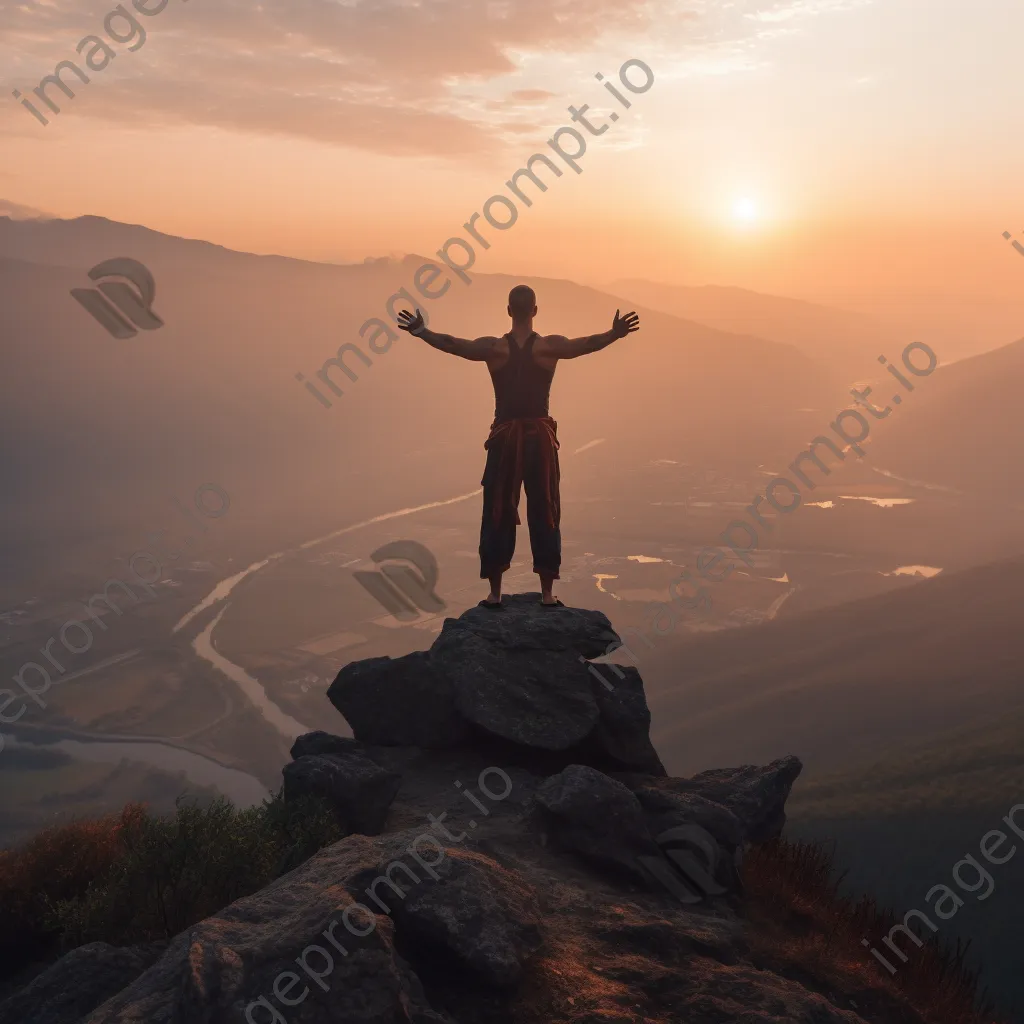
x=242, y=789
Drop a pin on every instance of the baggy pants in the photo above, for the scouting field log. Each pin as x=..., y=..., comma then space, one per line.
x=498, y=539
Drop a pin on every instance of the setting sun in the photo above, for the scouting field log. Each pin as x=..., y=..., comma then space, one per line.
x=745, y=210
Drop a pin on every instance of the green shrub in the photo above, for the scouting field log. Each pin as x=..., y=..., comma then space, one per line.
x=136, y=877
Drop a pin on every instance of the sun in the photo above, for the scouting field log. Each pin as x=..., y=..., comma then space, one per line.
x=745, y=210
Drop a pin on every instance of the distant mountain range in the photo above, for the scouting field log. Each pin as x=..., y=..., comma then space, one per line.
x=965, y=430
x=107, y=428
x=838, y=337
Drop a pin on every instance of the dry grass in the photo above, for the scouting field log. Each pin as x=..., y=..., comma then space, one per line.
x=803, y=923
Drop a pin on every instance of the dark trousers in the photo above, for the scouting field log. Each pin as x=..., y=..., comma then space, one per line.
x=498, y=540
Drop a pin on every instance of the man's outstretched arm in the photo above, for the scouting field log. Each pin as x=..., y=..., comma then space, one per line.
x=569, y=348
x=478, y=350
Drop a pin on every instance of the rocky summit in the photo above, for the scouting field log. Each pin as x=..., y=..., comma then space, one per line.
x=515, y=854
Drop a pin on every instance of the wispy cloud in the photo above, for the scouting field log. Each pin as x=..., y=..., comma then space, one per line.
x=389, y=76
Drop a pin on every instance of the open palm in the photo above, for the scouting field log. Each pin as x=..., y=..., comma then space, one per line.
x=623, y=325
x=410, y=323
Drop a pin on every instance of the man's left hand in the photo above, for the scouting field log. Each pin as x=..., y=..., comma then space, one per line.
x=623, y=325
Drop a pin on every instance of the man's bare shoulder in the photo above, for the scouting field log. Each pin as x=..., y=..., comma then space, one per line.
x=551, y=344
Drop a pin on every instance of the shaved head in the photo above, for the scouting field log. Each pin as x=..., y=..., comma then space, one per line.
x=522, y=301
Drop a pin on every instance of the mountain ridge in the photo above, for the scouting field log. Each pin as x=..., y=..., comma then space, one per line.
x=547, y=891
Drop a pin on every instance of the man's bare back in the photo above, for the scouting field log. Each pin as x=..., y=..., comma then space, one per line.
x=522, y=447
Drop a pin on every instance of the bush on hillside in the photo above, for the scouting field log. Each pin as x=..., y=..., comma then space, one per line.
x=57, y=865
x=135, y=877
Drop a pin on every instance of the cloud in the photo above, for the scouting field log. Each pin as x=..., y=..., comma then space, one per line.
x=531, y=95
x=388, y=76
x=18, y=212
x=374, y=74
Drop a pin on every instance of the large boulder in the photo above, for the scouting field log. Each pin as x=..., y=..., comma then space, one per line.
x=484, y=917
x=623, y=730
x=533, y=697
x=313, y=743
x=359, y=789
x=598, y=818
x=756, y=795
x=77, y=983
x=665, y=809
x=401, y=702
x=524, y=624
x=519, y=675
x=302, y=950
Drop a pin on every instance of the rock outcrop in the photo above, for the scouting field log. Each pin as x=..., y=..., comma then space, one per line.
x=79, y=982
x=516, y=855
x=519, y=676
x=358, y=789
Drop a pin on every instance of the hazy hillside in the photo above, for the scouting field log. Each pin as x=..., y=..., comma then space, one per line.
x=965, y=428
x=846, y=685
x=107, y=429
x=843, y=339
x=970, y=768
x=901, y=824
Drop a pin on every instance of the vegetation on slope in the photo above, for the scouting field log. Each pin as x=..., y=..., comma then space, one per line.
x=135, y=877
x=804, y=928
x=961, y=771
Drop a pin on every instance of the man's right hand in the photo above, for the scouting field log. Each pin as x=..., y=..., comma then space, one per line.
x=410, y=323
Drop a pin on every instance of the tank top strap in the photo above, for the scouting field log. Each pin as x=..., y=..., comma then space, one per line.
x=528, y=345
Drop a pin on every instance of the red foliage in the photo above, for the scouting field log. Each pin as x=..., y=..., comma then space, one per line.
x=57, y=864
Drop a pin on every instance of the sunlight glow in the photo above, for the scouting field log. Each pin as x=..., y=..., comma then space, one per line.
x=745, y=210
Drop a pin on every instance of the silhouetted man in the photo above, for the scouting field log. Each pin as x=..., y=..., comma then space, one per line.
x=522, y=448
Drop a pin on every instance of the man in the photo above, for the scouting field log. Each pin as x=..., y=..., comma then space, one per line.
x=522, y=448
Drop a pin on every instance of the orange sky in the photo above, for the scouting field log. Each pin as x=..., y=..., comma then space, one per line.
x=849, y=150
